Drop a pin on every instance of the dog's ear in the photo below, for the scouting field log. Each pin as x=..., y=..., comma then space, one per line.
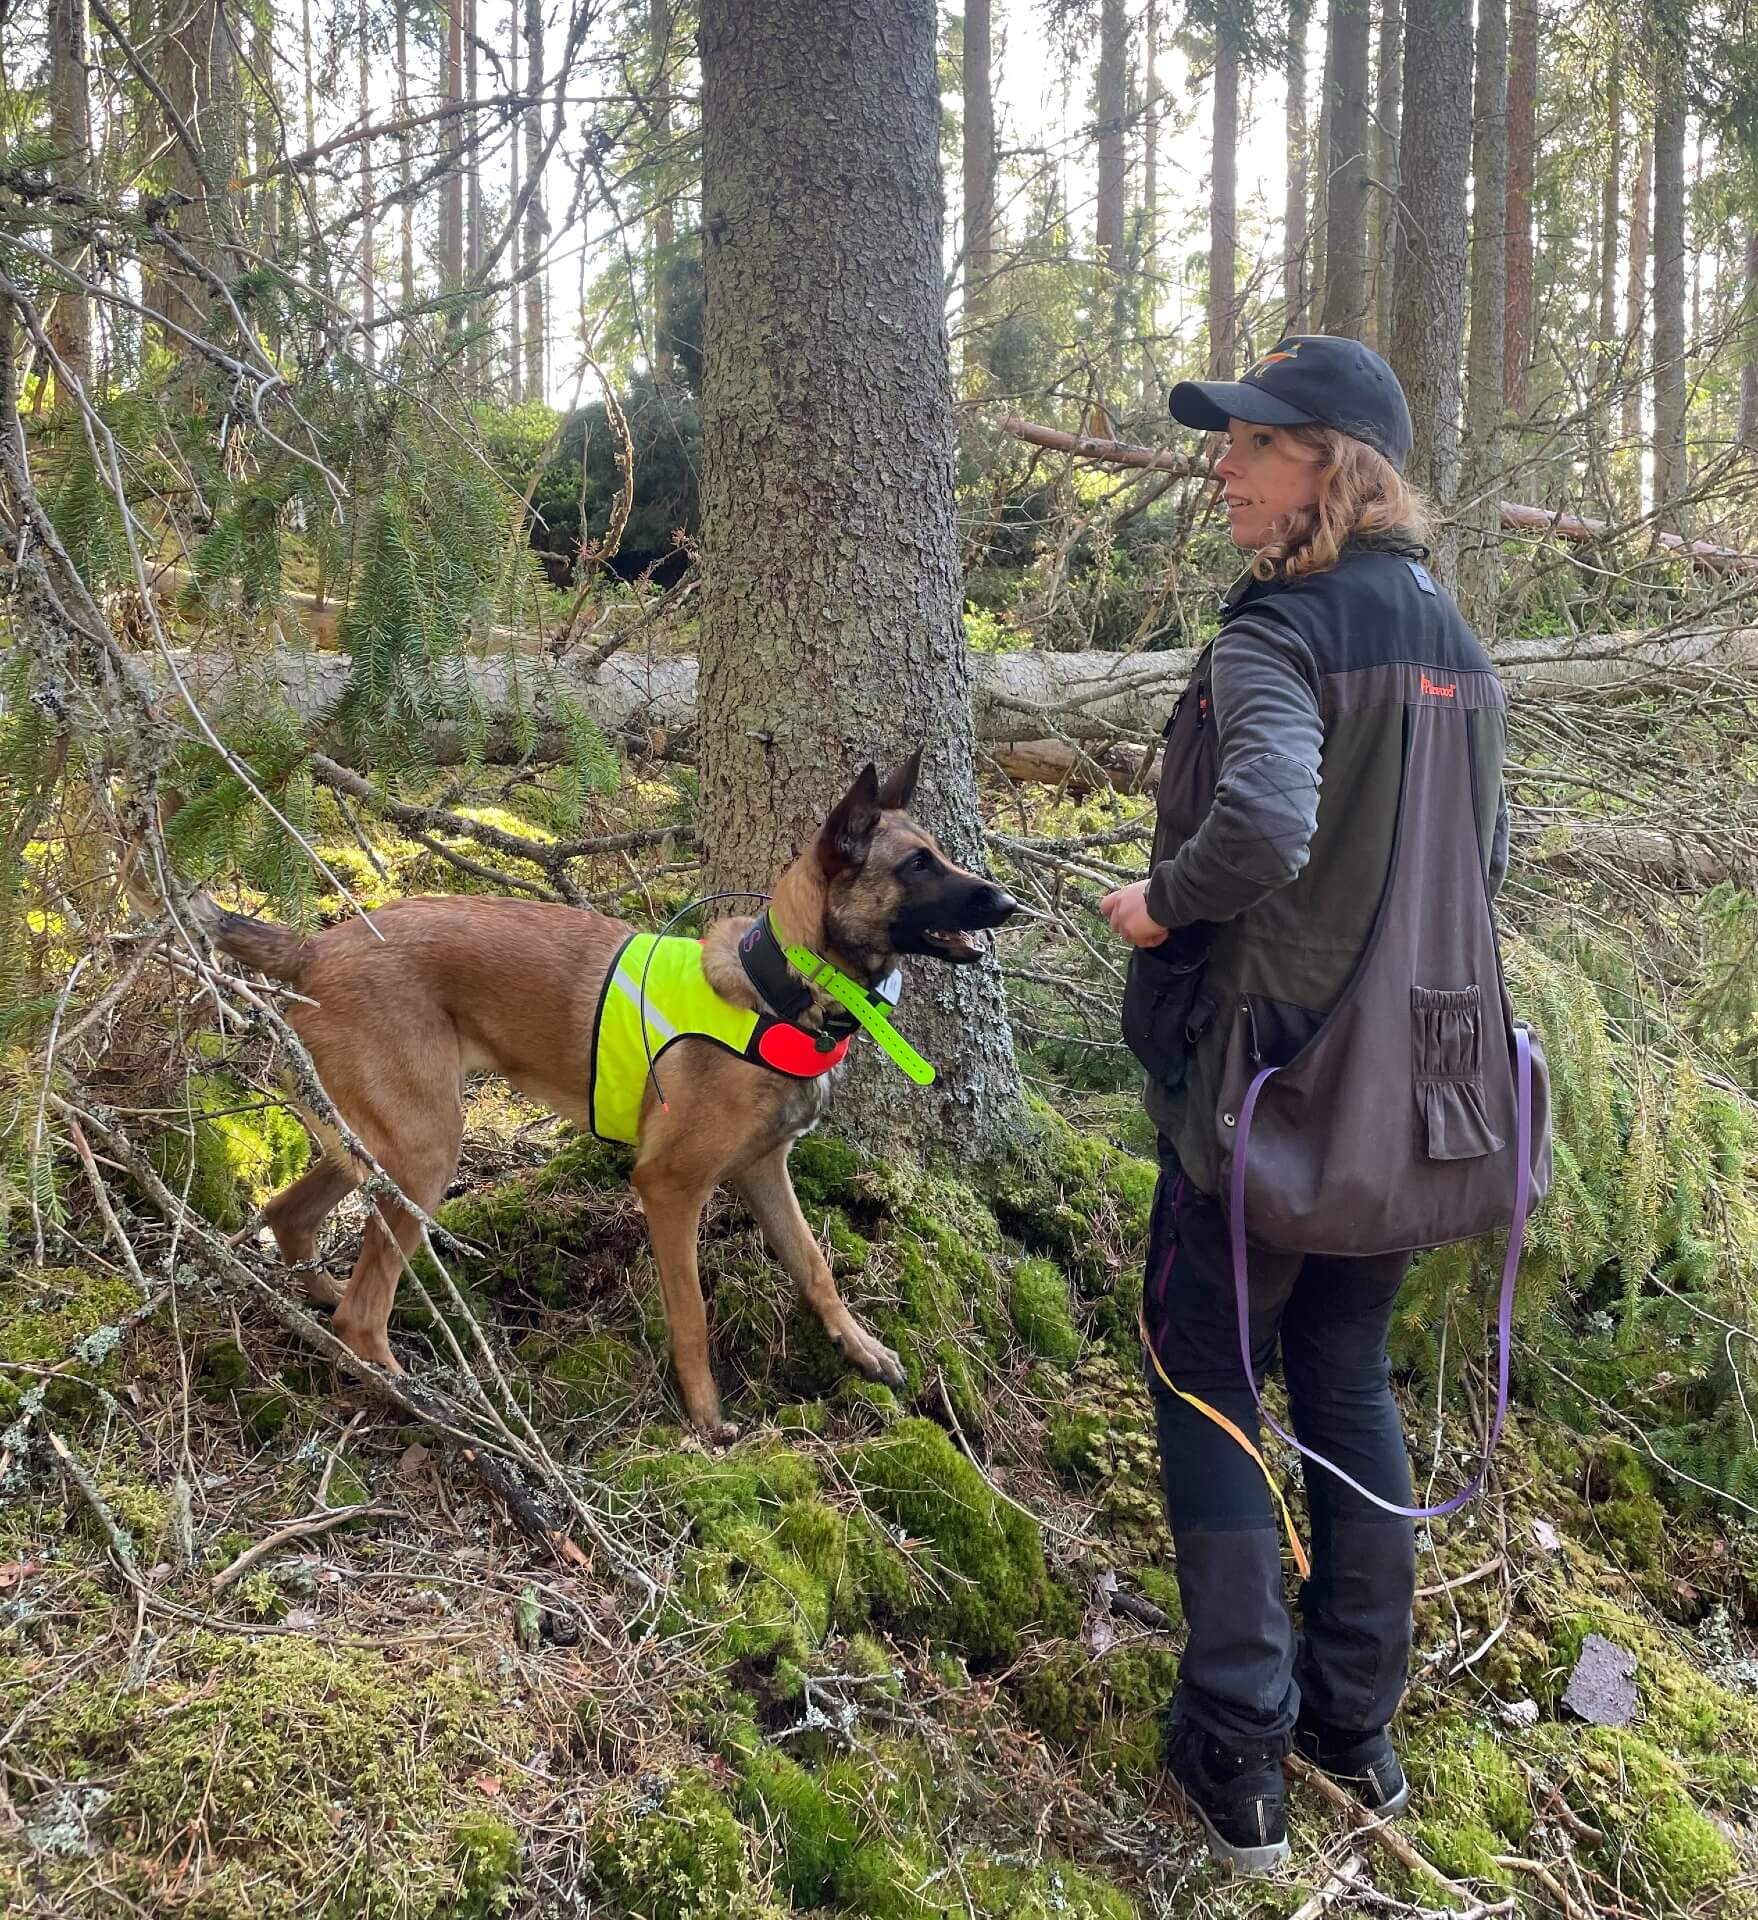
x=848, y=833
x=900, y=784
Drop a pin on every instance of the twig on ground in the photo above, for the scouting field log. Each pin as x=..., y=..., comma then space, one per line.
x=1371, y=1825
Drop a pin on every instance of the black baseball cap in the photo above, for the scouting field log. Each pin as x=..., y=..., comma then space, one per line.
x=1313, y=379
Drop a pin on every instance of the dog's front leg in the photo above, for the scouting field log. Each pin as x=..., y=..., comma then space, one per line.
x=673, y=1206
x=768, y=1191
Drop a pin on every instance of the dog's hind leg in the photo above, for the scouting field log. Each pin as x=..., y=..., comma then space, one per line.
x=768, y=1191
x=295, y=1215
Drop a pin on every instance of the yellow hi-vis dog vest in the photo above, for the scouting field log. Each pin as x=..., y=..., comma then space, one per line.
x=661, y=976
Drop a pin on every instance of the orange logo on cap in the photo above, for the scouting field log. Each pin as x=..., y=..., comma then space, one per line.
x=1269, y=359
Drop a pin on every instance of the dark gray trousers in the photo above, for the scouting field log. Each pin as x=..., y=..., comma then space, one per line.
x=1245, y=1674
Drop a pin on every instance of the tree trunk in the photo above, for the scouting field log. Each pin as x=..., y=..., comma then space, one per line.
x=1486, y=368
x=1294, y=229
x=515, y=352
x=1611, y=199
x=1345, y=308
x=536, y=226
x=1748, y=429
x=1113, y=106
x=405, y=165
x=979, y=177
x=368, y=311
x=201, y=82
x=452, y=188
x=70, y=128
x=1388, y=116
x=1318, y=224
x=1428, y=303
x=663, y=233
x=1151, y=397
x=1223, y=212
x=827, y=420
x=476, y=379
x=1636, y=295
x=1670, y=470
x=1522, y=163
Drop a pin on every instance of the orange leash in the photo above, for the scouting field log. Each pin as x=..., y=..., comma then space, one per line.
x=1302, y=1565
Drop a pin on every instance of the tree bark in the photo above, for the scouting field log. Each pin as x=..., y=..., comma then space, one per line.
x=536, y=226
x=837, y=636
x=659, y=51
x=979, y=177
x=1428, y=305
x=1151, y=397
x=1748, y=428
x=1388, y=117
x=515, y=352
x=1294, y=227
x=70, y=128
x=1345, y=309
x=1318, y=226
x=1486, y=366
x=368, y=313
x=1522, y=164
x=1113, y=105
x=1636, y=294
x=405, y=165
x=201, y=82
x=476, y=378
x=1670, y=467
x=1223, y=207
x=1611, y=199
x=452, y=189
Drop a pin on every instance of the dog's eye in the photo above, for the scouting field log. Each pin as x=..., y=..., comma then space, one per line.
x=921, y=861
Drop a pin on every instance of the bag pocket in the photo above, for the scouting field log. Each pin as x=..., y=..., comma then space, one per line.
x=1447, y=1039
x=1159, y=998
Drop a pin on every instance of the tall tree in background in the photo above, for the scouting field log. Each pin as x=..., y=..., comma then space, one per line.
x=363, y=79
x=1522, y=165
x=199, y=65
x=827, y=421
x=1610, y=203
x=1388, y=114
x=1113, y=106
x=477, y=379
x=1317, y=225
x=1636, y=290
x=1428, y=302
x=979, y=175
x=1294, y=226
x=1223, y=202
x=1748, y=427
x=664, y=222
x=1670, y=470
x=405, y=160
x=1486, y=366
x=70, y=324
x=536, y=226
x=515, y=353
x=1345, y=307
x=452, y=192
x=1149, y=247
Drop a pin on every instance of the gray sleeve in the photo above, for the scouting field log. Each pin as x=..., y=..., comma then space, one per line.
x=1498, y=847
x=1258, y=831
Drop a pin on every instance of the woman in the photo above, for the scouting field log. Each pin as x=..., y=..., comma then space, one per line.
x=1255, y=916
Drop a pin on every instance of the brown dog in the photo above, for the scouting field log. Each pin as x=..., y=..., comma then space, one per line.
x=394, y=1023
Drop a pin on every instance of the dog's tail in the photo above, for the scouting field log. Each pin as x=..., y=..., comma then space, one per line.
x=263, y=944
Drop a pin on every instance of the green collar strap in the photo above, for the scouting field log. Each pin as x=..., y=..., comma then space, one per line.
x=871, y=1011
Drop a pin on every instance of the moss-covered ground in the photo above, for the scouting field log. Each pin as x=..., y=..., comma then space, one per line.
x=877, y=1673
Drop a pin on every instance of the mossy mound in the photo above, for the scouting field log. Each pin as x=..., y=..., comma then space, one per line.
x=61, y=1317
x=232, y=1151
x=352, y=1774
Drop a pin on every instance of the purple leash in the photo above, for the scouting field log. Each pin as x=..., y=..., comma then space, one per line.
x=1504, y=1317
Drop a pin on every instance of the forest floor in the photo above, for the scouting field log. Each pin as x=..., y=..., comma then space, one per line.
x=269, y=1646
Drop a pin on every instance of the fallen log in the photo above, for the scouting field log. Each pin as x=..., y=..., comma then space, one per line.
x=1022, y=700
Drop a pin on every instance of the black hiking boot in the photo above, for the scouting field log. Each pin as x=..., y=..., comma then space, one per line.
x=1365, y=1763
x=1236, y=1792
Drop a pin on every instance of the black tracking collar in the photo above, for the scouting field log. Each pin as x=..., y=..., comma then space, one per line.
x=782, y=990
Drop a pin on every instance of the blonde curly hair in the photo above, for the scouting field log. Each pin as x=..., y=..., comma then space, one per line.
x=1360, y=493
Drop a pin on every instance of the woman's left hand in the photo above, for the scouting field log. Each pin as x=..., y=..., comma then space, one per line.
x=1126, y=913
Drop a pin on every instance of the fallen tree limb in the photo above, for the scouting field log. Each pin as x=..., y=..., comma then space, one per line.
x=1515, y=517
